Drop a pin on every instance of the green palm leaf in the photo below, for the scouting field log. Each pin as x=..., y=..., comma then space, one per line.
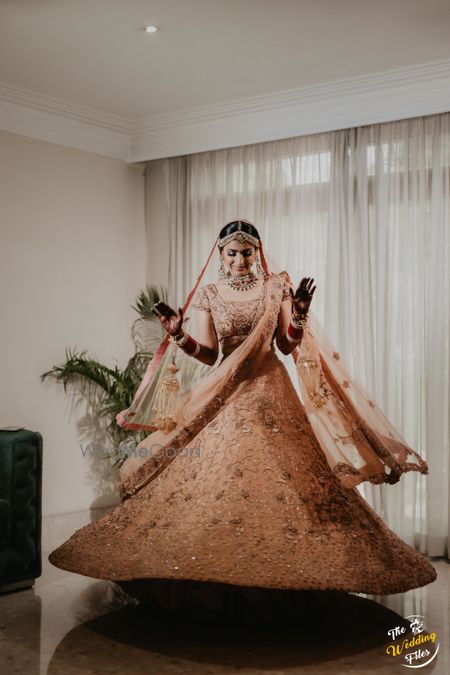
x=115, y=388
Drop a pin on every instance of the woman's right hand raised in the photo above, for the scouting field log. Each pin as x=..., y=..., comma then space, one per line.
x=173, y=323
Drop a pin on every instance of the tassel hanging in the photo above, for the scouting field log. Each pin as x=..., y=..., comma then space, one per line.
x=309, y=371
x=166, y=399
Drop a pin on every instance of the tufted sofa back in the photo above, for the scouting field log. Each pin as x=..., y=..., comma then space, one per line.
x=20, y=506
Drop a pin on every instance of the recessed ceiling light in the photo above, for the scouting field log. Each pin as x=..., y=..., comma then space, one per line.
x=151, y=29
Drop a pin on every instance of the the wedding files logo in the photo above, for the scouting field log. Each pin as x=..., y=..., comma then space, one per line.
x=413, y=647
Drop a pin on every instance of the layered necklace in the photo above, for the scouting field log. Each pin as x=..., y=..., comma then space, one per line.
x=242, y=283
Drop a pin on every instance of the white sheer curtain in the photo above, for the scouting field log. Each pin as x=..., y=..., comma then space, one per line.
x=366, y=212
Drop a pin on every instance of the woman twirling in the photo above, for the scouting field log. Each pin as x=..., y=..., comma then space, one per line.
x=248, y=486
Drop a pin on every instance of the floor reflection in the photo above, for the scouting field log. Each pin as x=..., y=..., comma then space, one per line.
x=71, y=624
x=20, y=632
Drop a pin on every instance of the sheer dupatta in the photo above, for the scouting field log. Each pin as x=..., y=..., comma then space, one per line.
x=141, y=413
x=359, y=442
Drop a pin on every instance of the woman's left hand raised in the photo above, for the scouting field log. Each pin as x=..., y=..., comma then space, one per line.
x=303, y=295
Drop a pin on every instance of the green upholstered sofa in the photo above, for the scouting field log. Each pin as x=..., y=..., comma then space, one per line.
x=20, y=508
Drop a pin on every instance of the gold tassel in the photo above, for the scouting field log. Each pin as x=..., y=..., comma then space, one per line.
x=167, y=398
x=309, y=371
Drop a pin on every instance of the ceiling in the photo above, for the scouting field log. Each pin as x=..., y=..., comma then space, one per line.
x=93, y=53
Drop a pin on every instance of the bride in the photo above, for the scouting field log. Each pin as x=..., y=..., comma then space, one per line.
x=268, y=500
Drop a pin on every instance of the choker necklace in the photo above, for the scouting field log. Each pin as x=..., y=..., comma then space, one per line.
x=243, y=283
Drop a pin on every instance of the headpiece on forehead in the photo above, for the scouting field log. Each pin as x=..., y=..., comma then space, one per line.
x=241, y=231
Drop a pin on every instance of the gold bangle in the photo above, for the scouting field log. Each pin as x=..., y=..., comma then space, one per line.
x=299, y=323
x=179, y=339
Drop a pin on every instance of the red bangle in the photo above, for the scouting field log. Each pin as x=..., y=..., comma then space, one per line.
x=294, y=334
x=191, y=346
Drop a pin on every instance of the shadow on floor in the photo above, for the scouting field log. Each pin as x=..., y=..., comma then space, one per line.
x=228, y=628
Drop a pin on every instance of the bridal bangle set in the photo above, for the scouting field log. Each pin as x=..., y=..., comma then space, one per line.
x=186, y=343
x=296, y=326
x=299, y=322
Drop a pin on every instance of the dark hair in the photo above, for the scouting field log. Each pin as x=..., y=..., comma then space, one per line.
x=239, y=226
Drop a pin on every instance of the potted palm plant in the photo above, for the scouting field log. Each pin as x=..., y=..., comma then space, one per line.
x=113, y=389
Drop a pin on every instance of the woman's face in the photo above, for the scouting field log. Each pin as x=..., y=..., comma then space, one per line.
x=238, y=257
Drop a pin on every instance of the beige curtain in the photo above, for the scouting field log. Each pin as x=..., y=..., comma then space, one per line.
x=366, y=212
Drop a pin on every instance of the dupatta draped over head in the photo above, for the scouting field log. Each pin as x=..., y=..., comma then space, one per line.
x=359, y=442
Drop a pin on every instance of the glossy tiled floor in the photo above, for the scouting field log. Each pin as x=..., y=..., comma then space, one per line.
x=70, y=624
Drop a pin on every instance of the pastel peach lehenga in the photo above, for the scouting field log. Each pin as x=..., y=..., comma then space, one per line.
x=241, y=494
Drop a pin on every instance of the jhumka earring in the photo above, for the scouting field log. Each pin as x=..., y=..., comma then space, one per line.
x=259, y=269
x=222, y=273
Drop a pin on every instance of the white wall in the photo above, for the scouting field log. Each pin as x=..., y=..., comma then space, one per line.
x=72, y=260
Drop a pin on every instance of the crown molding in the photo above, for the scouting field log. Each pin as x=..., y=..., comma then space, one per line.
x=380, y=97
x=48, y=119
x=396, y=94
